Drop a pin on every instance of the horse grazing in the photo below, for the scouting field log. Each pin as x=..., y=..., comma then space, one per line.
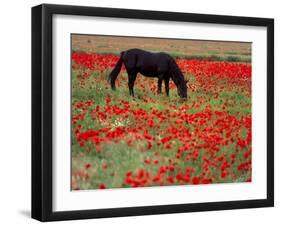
x=160, y=65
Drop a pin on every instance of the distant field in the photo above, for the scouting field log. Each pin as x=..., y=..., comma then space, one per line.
x=221, y=51
x=154, y=140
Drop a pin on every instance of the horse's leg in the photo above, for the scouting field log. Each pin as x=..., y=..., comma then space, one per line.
x=167, y=85
x=132, y=78
x=159, y=90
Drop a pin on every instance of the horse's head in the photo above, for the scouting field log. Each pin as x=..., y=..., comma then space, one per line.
x=182, y=90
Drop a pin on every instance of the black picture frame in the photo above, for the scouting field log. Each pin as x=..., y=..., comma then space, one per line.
x=42, y=106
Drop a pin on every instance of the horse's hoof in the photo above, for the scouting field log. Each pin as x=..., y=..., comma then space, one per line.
x=182, y=100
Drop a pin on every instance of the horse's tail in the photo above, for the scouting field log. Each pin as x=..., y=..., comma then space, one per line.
x=114, y=73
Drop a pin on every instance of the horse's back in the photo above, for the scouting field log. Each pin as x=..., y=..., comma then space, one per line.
x=147, y=63
x=143, y=55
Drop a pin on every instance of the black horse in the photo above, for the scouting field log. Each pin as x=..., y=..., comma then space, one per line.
x=160, y=65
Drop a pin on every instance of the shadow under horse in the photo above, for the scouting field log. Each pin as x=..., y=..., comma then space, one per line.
x=160, y=65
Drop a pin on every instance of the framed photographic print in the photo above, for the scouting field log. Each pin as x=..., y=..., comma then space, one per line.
x=145, y=112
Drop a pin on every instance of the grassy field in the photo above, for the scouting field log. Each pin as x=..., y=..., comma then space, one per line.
x=188, y=49
x=154, y=140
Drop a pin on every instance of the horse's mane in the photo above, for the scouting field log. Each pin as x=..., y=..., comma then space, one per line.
x=177, y=76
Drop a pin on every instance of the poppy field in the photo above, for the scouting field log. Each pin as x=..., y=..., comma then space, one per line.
x=119, y=141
